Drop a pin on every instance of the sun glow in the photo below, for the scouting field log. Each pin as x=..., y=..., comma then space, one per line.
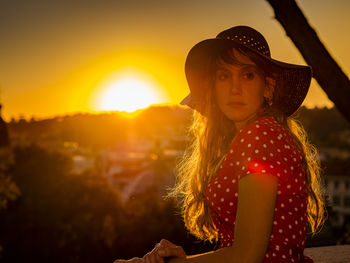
x=128, y=92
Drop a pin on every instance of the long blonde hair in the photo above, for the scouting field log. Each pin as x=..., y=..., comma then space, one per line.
x=211, y=135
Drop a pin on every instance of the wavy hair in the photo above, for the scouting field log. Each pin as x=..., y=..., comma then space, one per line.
x=211, y=136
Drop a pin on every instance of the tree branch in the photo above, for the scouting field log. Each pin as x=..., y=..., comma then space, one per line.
x=325, y=70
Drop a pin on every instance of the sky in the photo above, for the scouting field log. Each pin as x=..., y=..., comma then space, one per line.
x=62, y=57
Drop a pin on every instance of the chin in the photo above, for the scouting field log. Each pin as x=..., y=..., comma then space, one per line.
x=239, y=116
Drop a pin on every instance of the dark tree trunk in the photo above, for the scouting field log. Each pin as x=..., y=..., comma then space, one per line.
x=325, y=70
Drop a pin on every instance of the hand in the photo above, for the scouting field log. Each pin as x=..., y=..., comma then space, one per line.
x=162, y=250
x=133, y=260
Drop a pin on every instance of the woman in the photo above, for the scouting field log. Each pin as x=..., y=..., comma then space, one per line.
x=250, y=180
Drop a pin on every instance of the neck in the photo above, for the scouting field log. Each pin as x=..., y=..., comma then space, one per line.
x=241, y=124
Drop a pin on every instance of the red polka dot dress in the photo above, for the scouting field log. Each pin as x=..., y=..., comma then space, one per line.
x=264, y=146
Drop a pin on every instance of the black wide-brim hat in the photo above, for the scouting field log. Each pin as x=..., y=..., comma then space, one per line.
x=295, y=79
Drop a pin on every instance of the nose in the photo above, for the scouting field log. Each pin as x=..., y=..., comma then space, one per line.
x=235, y=87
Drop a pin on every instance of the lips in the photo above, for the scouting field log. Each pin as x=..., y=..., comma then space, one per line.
x=237, y=103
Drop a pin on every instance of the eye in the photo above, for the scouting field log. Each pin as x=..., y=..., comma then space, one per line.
x=249, y=75
x=221, y=75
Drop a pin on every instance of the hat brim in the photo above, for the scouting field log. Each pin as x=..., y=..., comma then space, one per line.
x=296, y=78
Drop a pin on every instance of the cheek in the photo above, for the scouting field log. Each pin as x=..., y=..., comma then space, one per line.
x=256, y=93
x=220, y=95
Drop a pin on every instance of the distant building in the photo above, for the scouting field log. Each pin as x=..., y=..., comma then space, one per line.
x=338, y=189
x=133, y=166
x=4, y=136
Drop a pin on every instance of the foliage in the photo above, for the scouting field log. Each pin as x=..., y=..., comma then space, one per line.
x=60, y=217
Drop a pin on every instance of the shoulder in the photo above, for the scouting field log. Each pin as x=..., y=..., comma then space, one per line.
x=265, y=130
x=263, y=146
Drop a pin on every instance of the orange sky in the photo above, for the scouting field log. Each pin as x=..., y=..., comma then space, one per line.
x=57, y=56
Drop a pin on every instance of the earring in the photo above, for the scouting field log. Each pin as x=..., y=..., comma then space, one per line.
x=269, y=100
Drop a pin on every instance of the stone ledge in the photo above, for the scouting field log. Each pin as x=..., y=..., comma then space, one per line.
x=329, y=254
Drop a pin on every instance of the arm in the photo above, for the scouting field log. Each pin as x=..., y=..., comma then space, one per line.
x=254, y=219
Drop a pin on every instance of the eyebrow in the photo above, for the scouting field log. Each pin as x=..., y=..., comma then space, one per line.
x=242, y=66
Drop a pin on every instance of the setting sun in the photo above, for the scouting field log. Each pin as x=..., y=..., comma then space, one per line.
x=128, y=92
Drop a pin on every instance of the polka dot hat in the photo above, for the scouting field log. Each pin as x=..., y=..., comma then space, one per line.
x=295, y=79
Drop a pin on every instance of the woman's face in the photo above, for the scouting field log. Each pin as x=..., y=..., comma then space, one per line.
x=240, y=89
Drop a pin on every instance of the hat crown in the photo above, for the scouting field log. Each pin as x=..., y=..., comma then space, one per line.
x=248, y=37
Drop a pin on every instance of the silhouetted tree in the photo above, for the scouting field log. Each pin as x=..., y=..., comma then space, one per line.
x=325, y=69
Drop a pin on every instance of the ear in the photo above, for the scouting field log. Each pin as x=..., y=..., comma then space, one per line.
x=269, y=87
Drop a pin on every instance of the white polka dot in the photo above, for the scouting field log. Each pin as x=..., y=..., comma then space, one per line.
x=249, y=145
x=243, y=153
x=256, y=151
x=219, y=185
x=282, y=205
x=278, y=162
x=288, y=186
x=263, y=171
x=233, y=180
x=271, y=166
x=283, y=256
x=290, y=200
x=271, y=141
x=258, y=126
x=290, y=226
x=264, y=145
x=226, y=219
x=243, y=167
x=293, y=236
x=256, y=165
x=236, y=194
x=257, y=138
x=279, y=150
x=249, y=159
x=280, y=230
x=277, y=247
x=264, y=158
x=222, y=199
x=242, y=140
x=265, y=133
x=275, y=222
x=249, y=132
x=231, y=164
x=231, y=151
x=231, y=204
x=225, y=177
x=237, y=163
x=273, y=254
x=227, y=190
x=219, y=208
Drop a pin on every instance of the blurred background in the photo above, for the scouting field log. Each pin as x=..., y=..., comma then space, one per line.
x=91, y=129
